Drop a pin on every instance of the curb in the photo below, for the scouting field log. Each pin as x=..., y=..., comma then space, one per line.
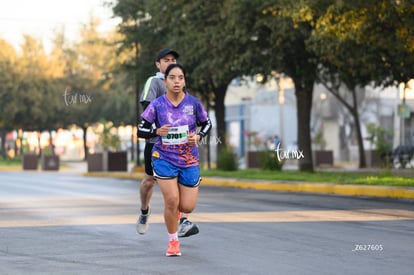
x=11, y=168
x=393, y=192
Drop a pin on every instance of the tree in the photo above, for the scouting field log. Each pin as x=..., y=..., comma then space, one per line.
x=359, y=44
x=212, y=46
x=7, y=67
x=95, y=88
x=140, y=41
x=78, y=83
x=285, y=27
x=222, y=40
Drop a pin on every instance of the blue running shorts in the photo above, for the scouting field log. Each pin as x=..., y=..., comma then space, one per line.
x=187, y=176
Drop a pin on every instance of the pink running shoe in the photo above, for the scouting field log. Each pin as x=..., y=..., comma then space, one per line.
x=173, y=248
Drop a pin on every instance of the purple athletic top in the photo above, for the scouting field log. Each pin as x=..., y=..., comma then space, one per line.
x=183, y=120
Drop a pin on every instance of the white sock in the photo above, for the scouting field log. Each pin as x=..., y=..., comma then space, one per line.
x=173, y=236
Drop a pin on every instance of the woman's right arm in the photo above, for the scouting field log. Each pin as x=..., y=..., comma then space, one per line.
x=145, y=130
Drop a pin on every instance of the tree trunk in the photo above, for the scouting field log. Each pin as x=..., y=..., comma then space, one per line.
x=39, y=143
x=51, y=143
x=132, y=148
x=354, y=112
x=137, y=96
x=85, y=147
x=208, y=140
x=17, y=151
x=3, y=143
x=304, y=95
x=219, y=109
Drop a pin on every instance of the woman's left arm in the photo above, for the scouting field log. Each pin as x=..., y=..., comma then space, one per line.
x=203, y=120
x=205, y=128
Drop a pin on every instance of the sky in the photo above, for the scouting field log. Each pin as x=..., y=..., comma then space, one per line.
x=40, y=18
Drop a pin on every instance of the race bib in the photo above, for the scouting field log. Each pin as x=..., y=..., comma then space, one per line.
x=176, y=135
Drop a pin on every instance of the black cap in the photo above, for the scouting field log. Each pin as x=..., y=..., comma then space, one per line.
x=164, y=52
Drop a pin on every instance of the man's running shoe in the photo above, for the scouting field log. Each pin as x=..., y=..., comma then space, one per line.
x=186, y=228
x=173, y=248
x=142, y=223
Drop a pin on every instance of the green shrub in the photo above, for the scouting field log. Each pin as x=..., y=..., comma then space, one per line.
x=226, y=160
x=378, y=137
x=269, y=161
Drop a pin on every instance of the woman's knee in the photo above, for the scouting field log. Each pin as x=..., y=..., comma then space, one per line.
x=171, y=202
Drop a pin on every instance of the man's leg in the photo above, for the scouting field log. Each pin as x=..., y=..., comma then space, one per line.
x=145, y=190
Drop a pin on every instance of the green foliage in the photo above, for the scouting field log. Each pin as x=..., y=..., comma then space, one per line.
x=269, y=161
x=77, y=83
x=366, y=41
x=208, y=35
x=226, y=160
x=26, y=149
x=48, y=151
x=378, y=137
x=10, y=162
x=108, y=139
x=319, y=140
x=71, y=85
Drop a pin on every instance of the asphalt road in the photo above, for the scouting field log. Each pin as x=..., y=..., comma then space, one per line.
x=64, y=223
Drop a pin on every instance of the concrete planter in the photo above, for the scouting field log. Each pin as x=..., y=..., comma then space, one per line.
x=373, y=158
x=96, y=162
x=323, y=158
x=30, y=162
x=253, y=160
x=108, y=161
x=50, y=163
x=117, y=161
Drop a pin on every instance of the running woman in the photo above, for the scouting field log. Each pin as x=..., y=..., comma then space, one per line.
x=155, y=87
x=175, y=156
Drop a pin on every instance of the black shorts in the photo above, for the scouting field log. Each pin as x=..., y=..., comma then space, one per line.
x=148, y=158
